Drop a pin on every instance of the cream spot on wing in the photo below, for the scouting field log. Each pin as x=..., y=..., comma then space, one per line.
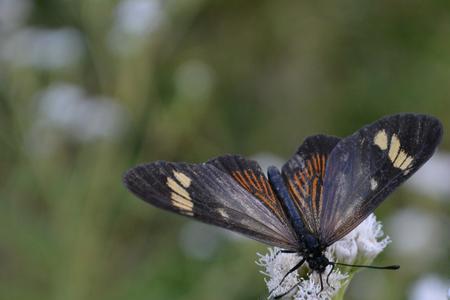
x=181, y=202
x=174, y=186
x=394, y=147
x=373, y=184
x=407, y=163
x=381, y=139
x=223, y=213
x=182, y=178
x=399, y=158
x=180, y=197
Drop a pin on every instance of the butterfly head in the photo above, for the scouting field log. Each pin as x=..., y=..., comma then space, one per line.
x=318, y=262
x=314, y=254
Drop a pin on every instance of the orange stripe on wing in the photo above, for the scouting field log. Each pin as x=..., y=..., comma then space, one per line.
x=258, y=188
x=264, y=199
x=271, y=193
x=257, y=182
x=320, y=205
x=249, y=180
x=303, y=178
x=310, y=169
x=296, y=195
x=238, y=176
x=323, y=158
x=319, y=164
x=300, y=183
x=313, y=193
x=264, y=184
x=313, y=163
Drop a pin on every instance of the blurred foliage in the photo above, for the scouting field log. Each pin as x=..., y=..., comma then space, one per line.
x=205, y=78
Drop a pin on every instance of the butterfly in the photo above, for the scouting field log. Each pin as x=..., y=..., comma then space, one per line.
x=328, y=187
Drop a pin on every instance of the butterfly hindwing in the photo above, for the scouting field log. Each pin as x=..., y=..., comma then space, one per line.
x=204, y=192
x=367, y=166
x=249, y=175
x=303, y=175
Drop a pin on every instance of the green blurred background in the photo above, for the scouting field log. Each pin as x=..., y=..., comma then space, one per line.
x=91, y=88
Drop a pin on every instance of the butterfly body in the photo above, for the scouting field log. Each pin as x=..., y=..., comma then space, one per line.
x=328, y=187
x=309, y=246
x=288, y=205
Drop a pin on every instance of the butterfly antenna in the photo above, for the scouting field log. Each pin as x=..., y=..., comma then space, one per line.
x=392, y=267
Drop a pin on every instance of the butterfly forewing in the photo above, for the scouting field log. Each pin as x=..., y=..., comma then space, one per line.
x=304, y=174
x=365, y=167
x=204, y=192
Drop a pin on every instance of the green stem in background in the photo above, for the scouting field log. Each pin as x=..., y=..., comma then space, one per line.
x=341, y=292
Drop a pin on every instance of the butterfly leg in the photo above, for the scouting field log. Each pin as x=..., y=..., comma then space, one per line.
x=328, y=276
x=285, y=251
x=321, y=284
x=288, y=251
x=300, y=263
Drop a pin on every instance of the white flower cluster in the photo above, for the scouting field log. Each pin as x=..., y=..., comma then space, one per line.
x=360, y=246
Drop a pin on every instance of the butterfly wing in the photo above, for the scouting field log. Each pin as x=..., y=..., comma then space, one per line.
x=304, y=174
x=205, y=193
x=249, y=175
x=364, y=168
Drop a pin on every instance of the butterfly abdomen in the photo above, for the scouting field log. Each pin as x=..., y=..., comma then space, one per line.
x=277, y=182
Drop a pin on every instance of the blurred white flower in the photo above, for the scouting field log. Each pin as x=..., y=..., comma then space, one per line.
x=430, y=287
x=309, y=289
x=66, y=108
x=46, y=49
x=433, y=178
x=360, y=246
x=194, y=80
x=199, y=240
x=139, y=17
x=411, y=229
x=276, y=265
x=13, y=14
x=346, y=250
x=134, y=20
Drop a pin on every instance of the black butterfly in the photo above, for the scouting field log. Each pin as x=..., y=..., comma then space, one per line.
x=324, y=191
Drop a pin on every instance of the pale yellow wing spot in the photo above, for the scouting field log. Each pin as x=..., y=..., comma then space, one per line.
x=381, y=139
x=401, y=157
x=180, y=196
x=174, y=186
x=406, y=163
x=181, y=202
x=182, y=178
x=394, y=148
